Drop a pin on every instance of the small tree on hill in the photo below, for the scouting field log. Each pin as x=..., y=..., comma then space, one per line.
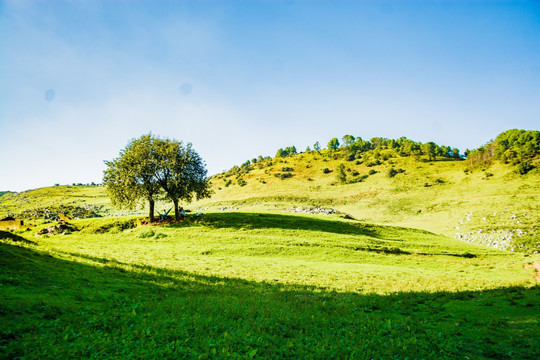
x=333, y=144
x=348, y=140
x=317, y=146
x=430, y=149
x=341, y=175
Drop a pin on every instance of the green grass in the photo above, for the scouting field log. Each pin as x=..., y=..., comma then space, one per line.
x=262, y=285
x=93, y=197
x=433, y=196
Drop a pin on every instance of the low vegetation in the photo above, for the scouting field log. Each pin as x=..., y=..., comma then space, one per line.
x=262, y=285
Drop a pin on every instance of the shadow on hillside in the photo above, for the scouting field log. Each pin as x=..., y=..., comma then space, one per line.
x=70, y=307
x=240, y=220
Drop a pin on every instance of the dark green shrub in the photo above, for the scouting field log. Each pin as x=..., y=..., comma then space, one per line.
x=146, y=233
x=326, y=171
x=524, y=167
x=393, y=172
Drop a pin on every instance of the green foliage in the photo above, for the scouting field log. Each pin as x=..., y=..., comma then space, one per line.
x=317, y=146
x=348, y=140
x=146, y=233
x=150, y=164
x=393, y=172
x=341, y=175
x=130, y=177
x=430, y=149
x=510, y=147
x=241, y=182
x=333, y=144
x=326, y=171
x=283, y=176
x=290, y=150
x=524, y=167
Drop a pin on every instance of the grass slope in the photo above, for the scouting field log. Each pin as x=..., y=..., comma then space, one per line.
x=249, y=285
x=438, y=196
x=93, y=197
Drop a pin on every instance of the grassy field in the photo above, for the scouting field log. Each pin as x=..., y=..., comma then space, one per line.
x=438, y=196
x=262, y=285
x=493, y=206
x=93, y=197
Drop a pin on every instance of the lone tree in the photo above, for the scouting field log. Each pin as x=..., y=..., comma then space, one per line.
x=333, y=144
x=130, y=177
x=149, y=167
x=181, y=172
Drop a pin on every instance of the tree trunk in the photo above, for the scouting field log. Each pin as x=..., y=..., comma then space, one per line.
x=151, y=213
x=176, y=213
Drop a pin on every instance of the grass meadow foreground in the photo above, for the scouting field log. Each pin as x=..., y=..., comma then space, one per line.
x=262, y=285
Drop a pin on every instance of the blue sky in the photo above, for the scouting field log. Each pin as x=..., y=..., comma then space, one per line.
x=240, y=79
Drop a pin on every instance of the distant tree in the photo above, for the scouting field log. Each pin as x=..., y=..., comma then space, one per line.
x=308, y=149
x=430, y=149
x=348, y=140
x=317, y=146
x=130, y=177
x=455, y=153
x=333, y=144
x=281, y=153
x=290, y=150
x=341, y=175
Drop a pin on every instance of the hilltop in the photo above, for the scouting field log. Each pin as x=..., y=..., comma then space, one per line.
x=481, y=199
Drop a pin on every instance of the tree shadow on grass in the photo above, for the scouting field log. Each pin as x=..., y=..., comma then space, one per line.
x=58, y=308
x=240, y=220
x=383, y=239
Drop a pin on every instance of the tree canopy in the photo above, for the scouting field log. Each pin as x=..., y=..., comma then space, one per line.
x=150, y=167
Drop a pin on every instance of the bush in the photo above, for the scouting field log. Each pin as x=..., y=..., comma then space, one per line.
x=284, y=175
x=241, y=182
x=285, y=169
x=372, y=172
x=326, y=171
x=373, y=163
x=146, y=233
x=524, y=167
x=227, y=183
x=393, y=172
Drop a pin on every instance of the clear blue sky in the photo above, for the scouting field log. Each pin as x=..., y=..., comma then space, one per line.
x=239, y=79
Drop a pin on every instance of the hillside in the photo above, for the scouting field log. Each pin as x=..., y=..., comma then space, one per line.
x=489, y=202
x=92, y=198
x=488, y=198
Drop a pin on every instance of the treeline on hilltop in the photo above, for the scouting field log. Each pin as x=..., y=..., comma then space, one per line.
x=515, y=147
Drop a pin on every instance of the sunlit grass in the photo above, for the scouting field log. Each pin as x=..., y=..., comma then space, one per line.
x=249, y=285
